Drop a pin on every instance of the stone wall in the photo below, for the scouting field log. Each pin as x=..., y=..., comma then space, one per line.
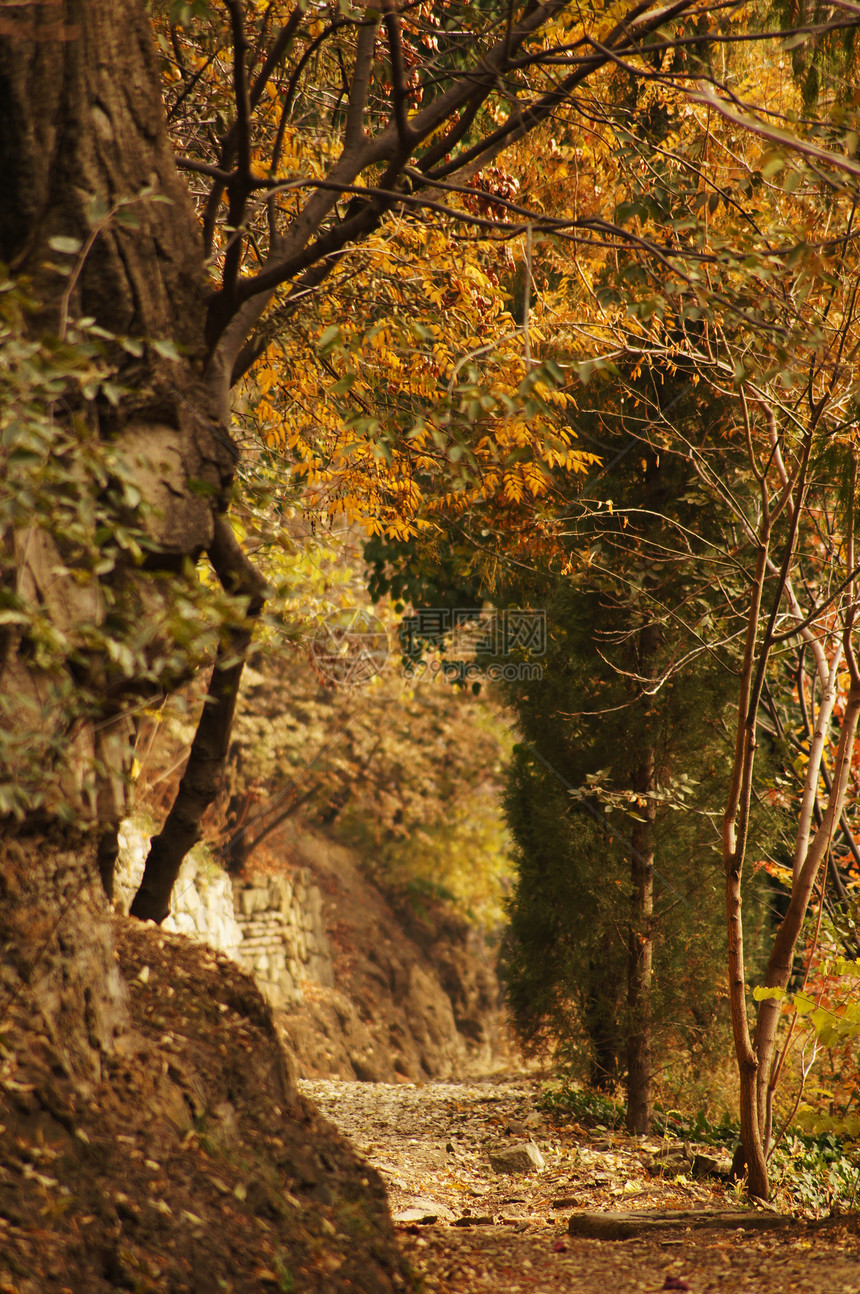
x=201, y=904
x=271, y=925
x=283, y=936
x=393, y=997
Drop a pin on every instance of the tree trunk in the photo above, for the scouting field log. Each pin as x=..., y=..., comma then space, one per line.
x=786, y=938
x=752, y=1151
x=640, y=1104
x=83, y=138
x=202, y=776
x=640, y=943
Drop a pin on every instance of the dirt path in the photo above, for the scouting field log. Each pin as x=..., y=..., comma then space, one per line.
x=466, y=1227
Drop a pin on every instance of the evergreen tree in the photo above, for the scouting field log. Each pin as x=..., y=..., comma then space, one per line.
x=616, y=941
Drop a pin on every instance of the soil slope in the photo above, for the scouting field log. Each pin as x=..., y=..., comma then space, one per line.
x=194, y=1165
x=415, y=993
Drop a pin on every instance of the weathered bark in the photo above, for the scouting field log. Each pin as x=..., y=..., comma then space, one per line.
x=81, y=136
x=640, y=1101
x=640, y=947
x=202, y=777
x=82, y=120
x=58, y=951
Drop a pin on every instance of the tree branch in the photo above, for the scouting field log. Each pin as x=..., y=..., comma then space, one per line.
x=398, y=78
x=353, y=134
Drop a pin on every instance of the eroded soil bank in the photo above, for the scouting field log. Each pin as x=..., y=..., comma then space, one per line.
x=194, y=1165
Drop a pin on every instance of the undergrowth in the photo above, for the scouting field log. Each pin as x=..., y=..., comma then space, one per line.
x=811, y=1174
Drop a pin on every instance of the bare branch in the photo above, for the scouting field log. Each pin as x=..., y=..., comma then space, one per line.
x=398, y=77
x=791, y=143
x=354, y=135
x=240, y=88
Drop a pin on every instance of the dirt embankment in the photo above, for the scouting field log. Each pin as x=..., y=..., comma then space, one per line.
x=415, y=994
x=194, y=1165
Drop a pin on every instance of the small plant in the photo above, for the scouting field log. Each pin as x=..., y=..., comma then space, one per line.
x=698, y=1127
x=817, y=1174
x=286, y=1280
x=590, y=1108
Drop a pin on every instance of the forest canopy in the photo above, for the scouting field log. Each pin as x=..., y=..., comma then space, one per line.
x=559, y=304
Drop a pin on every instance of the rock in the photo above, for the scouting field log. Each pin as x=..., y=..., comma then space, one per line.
x=515, y=1128
x=712, y=1166
x=672, y=1157
x=417, y=1216
x=521, y=1158
x=430, y=1210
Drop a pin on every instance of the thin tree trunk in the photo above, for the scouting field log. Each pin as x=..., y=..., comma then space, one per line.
x=782, y=953
x=640, y=947
x=751, y=1153
x=640, y=952
x=202, y=777
x=734, y=829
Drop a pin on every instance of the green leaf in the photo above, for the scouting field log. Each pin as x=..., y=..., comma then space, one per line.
x=112, y=392
x=332, y=337
x=763, y=994
x=803, y=1004
x=165, y=348
x=128, y=220
x=96, y=210
x=70, y=246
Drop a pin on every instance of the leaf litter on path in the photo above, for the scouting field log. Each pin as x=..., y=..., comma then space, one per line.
x=508, y=1232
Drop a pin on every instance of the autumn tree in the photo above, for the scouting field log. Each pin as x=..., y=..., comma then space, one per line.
x=768, y=333
x=730, y=265
x=303, y=131
x=98, y=223
x=132, y=309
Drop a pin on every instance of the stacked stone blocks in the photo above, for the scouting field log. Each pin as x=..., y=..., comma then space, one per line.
x=283, y=936
x=271, y=925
